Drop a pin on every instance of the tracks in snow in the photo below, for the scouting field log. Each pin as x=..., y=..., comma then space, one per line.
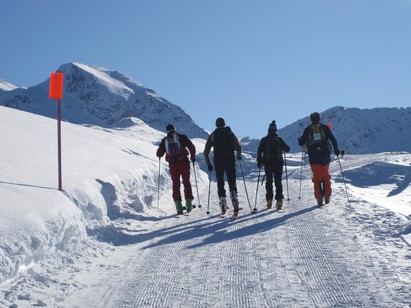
x=304, y=256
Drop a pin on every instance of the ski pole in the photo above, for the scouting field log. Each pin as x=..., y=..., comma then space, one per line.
x=209, y=188
x=195, y=178
x=256, y=193
x=249, y=204
x=158, y=183
x=286, y=176
x=301, y=172
x=342, y=174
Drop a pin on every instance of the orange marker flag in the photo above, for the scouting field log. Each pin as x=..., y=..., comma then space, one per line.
x=56, y=86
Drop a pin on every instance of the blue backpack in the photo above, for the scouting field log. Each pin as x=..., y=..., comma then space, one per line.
x=173, y=147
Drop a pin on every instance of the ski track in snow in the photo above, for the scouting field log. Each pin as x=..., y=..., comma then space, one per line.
x=303, y=257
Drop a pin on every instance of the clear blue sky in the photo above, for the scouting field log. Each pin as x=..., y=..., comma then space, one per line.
x=247, y=61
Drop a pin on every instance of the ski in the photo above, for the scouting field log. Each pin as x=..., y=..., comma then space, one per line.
x=274, y=209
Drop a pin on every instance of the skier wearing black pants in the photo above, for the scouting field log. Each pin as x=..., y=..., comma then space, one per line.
x=270, y=154
x=225, y=143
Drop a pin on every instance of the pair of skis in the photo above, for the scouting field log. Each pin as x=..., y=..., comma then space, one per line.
x=185, y=213
x=234, y=216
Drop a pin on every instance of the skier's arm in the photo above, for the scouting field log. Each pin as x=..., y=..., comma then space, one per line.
x=260, y=151
x=329, y=135
x=304, y=138
x=237, y=147
x=284, y=145
x=207, y=150
x=191, y=147
x=161, y=149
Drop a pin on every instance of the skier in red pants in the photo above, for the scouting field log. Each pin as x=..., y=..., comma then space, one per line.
x=177, y=147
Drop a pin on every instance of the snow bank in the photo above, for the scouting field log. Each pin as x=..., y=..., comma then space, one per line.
x=106, y=173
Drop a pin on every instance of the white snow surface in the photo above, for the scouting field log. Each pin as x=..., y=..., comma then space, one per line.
x=108, y=241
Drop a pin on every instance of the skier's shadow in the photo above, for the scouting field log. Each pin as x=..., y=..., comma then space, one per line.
x=219, y=230
x=177, y=232
x=250, y=229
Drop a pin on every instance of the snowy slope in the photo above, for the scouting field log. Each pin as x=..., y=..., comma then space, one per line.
x=97, y=96
x=107, y=241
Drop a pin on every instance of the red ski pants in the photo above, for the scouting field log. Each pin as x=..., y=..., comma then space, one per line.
x=181, y=170
x=321, y=180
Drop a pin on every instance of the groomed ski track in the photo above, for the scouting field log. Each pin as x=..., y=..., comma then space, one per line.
x=302, y=257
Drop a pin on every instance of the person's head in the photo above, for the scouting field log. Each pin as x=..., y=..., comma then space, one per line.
x=220, y=122
x=315, y=118
x=272, y=128
x=170, y=128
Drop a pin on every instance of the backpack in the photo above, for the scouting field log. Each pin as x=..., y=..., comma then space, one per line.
x=316, y=137
x=272, y=150
x=173, y=147
x=223, y=142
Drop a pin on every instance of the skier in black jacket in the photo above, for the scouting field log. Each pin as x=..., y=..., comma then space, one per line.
x=225, y=144
x=270, y=155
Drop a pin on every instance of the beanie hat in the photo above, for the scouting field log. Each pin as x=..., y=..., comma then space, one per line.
x=272, y=128
x=170, y=128
x=220, y=122
x=315, y=118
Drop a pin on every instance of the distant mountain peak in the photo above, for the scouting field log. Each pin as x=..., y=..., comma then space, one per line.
x=97, y=96
x=6, y=86
x=360, y=131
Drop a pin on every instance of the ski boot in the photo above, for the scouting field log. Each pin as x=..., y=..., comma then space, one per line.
x=327, y=199
x=179, y=207
x=223, y=206
x=320, y=201
x=189, y=205
x=269, y=204
x=279, y=205
x=236, y=203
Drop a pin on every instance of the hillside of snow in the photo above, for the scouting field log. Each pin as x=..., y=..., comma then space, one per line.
x=83, y=246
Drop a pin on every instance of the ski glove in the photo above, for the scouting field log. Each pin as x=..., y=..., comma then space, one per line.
x=193, y=159
x=336, y=152
x=210, y=168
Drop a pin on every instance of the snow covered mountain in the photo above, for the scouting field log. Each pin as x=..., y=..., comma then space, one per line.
x=97, y=96
x=358, y=131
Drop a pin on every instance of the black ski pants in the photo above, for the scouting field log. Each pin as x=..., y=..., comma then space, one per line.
x=225, y=166
x=274, y=171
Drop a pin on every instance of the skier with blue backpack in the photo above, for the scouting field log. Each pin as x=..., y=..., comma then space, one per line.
x=177, y=147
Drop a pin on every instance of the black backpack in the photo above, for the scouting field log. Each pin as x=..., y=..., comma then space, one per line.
x=272, y=150
x=223, y=142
